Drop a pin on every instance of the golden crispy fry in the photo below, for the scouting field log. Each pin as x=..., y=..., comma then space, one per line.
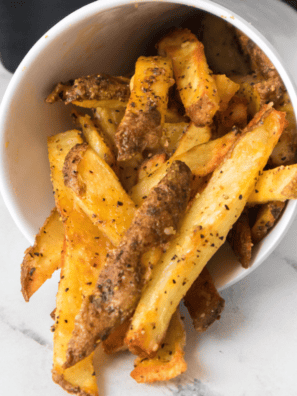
x=234, y=116
x=203, y=230
x=203, y=302
x=169, y=361
x=98, y=192
x=221, y=48
x=258, y=91
x=202, y=160
x=226, y=89
x=194, y=82
x=94, y=139
x=44, y=257
x=84, y=253
x=260, y=63
x=278, y=184
x=240, y=239
x=151, y=165
x=141, y=127
x=192, y=137
x=286, y=148
x=171, y=135
x=115, y=341
x=266, y=218
x=93, y=91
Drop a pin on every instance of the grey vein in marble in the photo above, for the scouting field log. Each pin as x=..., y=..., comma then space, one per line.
x=196, y=388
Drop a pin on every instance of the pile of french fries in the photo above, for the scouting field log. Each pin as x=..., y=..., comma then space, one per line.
x=236, y=132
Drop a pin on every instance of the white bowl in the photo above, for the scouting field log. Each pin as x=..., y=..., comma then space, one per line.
x=104, y=36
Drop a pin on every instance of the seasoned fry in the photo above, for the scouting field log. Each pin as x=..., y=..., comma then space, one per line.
x=278, y=184
x=169, y=361
x=84, y=252
x=93, y=91
x=115, y=341
x=94, y=139
x=151, y=165
x=194, y=81
x=260, y=63
x=192, y=137
x=235, y=115
x=266, y=218
x=240, y=239
x=203, y=302
x=119, y=285
x=221, y=47
x=44, y=257
x=258, y=92
x=171, y=135
x=286, y=148
x=226, y=89
x=204, y=229
x=141, y=127
x=202, y=160
x=98, y=192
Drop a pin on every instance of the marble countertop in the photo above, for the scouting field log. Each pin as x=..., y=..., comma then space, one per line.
x=251, y=351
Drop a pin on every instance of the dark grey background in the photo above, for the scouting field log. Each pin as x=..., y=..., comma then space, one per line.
x=23, y=22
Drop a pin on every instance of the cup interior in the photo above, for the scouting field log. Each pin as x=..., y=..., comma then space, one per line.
x=106, y=37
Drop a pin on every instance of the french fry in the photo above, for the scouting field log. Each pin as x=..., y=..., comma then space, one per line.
x=221, y=49
x=115, y=341
x=203, y=302
x=141, y=127
x=108, y=120
x=266, y=218
x=202, y=160
x=171, y=135
x=260, y=63
x=204, y=229
x=169, y=361
x=235, y=115
x=226, y=89
x=151, y=165
x=44, y=257
x=284, y=152
x=83, y=256
x=194, y=81
x=240, y=239
x=278, y=184
x=192, y=137
x=93, y=91
x=94, y=139
x=98, y=192
x=258, y=91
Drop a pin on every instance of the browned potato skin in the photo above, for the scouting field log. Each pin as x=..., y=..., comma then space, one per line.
x=119, y=285
x=203, y=302
x=266, y=218
x=94, y=87
x=260, y=63
x=115, y=341
x=44, y=257
x=240, y=239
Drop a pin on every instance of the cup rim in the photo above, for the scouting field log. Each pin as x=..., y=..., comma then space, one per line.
x=102, y=5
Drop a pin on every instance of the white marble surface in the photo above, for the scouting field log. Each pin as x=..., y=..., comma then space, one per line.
x=251, y=351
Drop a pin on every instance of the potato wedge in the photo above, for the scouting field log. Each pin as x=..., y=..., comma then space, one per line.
x=286, y=148
x=240, y=239
x=226, y=89
x=151, y=165
x=118, y=288
x=236, y=115
x=141, y=127
x=98, y=192
x=266, y=218
x=278, y=184
x=202, y=160
x=203, y=230
x=260, y=63
x=93, y=91
x=203, y=302
x=83, y=256
x=195, y=84
x=94, y=139
x=169, y=361
x=192, y=137
x=44, y=257
x=171, y=135
x=258, y=91
x=115, y=342
x=221, y=48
